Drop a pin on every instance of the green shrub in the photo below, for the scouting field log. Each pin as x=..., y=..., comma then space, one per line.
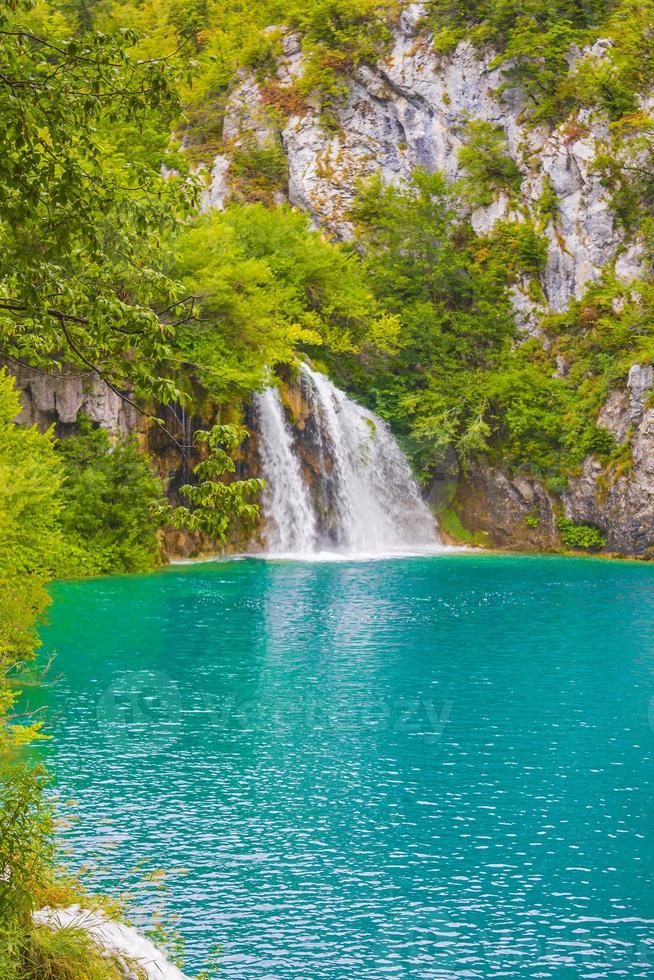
x=257, y=171
x=547, y=206
x=486, y=163
x=27, y=857
x=109, y=496
x=599, y=441
x=31, y=547
x=267, y=284
x=514, y=249
x=68, y=953
x=579, y=536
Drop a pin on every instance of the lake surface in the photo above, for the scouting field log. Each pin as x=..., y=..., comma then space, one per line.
x=432, y=767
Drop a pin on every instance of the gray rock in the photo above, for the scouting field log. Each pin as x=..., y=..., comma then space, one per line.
x=217, y=190
x=614, y=416
x=639, y=384
x=500, y=505
x=408, y=111
x=620, y=501
x=57, y=399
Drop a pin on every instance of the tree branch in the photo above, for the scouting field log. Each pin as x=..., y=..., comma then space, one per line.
x=96, y=370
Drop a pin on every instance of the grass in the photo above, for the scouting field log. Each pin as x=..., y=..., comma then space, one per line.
x=68, y=953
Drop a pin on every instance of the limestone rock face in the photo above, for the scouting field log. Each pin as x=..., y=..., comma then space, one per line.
x=620, y=501
x=513, y=511
x=409, y=111
x=56, y=399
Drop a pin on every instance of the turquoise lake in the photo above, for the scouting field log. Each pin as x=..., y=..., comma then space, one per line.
x=413, y=768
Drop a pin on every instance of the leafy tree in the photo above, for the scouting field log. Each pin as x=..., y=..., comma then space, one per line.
x=486, y=163
x=109, y=498
x=266, y=285
x=30, y=478
x=83, y=228
x=453, y=311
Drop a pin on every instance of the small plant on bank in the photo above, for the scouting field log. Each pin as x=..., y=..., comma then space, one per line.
x=532, y=521
x=216, y=505
x=579, y=536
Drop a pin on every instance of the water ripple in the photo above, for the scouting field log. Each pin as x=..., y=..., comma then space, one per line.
x=420, y=768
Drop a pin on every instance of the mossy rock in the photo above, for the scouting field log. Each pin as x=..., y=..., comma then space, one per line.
x=451, y=526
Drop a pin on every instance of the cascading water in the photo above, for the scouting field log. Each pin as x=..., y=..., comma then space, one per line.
x=379, y=506
x=342, y=483
x=287, y=506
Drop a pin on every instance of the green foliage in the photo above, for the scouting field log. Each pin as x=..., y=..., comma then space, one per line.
x=487, y=164
x=626, y=163
x=217, y=505
x=68, y=954
x=267, y=284
x=258, y=171
x=109, y=497
x=83, y=226
x=451, y=302
x=547, y=206
x=613, y=80
x=30, y=478
x=534, y=42
x=600, y=336
x=26, y=847
x=28, y=882
x=532, y=521
x=458, y=377
x=579, y=536
x=32, y=545
x=516, y=248
x=338, y=35
x=227, y=35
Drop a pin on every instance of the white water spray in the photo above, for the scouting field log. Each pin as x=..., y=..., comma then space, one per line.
x=287, y=506
x=362, y=500
x=379, y=506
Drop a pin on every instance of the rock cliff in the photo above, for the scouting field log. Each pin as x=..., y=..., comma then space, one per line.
x=57, y=399
x=410, y=110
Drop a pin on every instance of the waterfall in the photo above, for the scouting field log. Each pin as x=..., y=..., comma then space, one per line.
x=339, y=482
x=287, y=506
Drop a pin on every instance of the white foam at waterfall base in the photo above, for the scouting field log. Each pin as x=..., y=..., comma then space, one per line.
x=376, y=507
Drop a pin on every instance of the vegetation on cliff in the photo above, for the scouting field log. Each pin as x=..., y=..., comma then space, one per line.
x=267, y=286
